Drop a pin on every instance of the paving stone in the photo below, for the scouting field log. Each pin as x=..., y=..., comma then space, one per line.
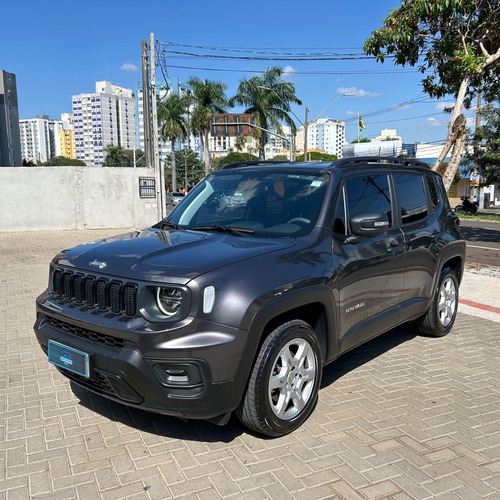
x=403, y=417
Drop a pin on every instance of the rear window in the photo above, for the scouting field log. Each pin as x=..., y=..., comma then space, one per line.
x=412, y=197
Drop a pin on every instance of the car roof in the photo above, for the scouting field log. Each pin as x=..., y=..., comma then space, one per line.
x=348, y=163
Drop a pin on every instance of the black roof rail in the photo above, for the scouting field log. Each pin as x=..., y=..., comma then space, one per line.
x=251, y=163
x=393, y=160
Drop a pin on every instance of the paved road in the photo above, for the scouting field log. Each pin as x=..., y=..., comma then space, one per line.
x=483, y=241
x=403, y=417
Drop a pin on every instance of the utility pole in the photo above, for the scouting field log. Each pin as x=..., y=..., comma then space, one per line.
x=305, y=136
x=185, y=168
x=145, y=103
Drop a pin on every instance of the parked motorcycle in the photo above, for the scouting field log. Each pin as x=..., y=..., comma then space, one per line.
x=467, y=205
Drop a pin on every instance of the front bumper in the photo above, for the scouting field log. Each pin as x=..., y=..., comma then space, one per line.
x=197, y=374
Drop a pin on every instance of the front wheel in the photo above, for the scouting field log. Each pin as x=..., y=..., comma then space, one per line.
x=284, y=384
x=459, y=208
x=439, y=319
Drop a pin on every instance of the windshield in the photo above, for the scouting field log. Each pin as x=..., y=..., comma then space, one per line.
x=264, y=203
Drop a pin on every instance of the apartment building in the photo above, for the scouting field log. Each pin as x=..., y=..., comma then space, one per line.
x=10, y=142
x=104, y=117
x=326, y=134
x=40, y=138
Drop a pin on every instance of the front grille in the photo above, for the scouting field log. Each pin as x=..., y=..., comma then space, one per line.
x=84, y=333
x=102, y=293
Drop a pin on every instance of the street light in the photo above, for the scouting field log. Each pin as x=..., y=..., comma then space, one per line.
x=305, y=124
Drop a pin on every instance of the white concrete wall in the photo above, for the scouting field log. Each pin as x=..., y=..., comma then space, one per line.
x=68, y=198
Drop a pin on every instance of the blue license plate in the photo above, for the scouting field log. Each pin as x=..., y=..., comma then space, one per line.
x=68, y=358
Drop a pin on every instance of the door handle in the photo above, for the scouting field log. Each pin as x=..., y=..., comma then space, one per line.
x=392, y=244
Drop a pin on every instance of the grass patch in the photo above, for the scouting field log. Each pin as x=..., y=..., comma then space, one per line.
x=491, y=217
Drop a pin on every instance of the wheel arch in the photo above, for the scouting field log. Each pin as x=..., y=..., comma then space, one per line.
x=314, y=305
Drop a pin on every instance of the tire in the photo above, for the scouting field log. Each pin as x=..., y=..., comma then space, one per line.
x=473, y=209
x=459, y=208
x=283, y=387
x=439, y=319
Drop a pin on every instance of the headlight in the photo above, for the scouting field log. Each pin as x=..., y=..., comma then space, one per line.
x=169, y=300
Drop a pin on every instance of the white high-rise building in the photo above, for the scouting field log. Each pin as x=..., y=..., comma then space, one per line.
x=162, y=92
x=324, y=134
x=40, y=138
x=104, y=117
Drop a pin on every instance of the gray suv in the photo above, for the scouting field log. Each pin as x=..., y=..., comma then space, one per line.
x=264, y=273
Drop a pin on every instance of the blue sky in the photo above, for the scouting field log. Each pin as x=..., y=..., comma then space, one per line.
x=58, y=49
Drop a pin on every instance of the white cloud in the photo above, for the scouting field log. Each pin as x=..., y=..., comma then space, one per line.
x=351, y=113
x=432, y=122
x=128, y=66
x=442, y=106
x=288, y=72
x=357, y=92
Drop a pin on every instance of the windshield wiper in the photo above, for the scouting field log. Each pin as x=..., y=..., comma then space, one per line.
x=168, y=224
x=238, y=231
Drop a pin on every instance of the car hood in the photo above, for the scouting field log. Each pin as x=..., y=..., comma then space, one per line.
x=175, y=256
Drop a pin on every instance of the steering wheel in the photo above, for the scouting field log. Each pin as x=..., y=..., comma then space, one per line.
x=299, y=220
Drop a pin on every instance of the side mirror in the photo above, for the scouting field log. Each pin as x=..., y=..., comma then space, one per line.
x=369, y=225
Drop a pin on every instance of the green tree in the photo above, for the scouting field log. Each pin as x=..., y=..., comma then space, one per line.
x=485, y=146
x=361, y=139
x=316, y=156
x=116, y=156
x=207, y=97
x=233, y=157
x=456, y=44
x=62, y=161
x=173, y=125
x=187, y=163
x=267, y=98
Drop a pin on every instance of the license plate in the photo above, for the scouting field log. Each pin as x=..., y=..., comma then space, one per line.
x=68, y=358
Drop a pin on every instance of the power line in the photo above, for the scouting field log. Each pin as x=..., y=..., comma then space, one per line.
x=360, y=72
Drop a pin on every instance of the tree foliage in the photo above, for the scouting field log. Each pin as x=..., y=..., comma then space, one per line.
x=267, y=98
x=172, y=120
x=317, y=156
x=455, y=44
x=207, y=97
x=117, y=156
x=187, y=162
x=485, y=146
x=234, y=157
x=62, y=161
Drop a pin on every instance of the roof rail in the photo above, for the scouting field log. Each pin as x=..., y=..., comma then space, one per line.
x=251, y=163
x=360, y=160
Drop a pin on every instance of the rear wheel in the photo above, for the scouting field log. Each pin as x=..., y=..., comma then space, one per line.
x=439, y=319
x=284, y=384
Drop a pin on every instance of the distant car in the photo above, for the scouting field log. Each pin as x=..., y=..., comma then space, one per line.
x=174, y=198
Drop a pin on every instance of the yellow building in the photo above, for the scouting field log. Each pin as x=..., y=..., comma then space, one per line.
x=67, y=141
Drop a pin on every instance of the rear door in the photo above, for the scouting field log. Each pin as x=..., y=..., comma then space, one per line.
x=421, y=226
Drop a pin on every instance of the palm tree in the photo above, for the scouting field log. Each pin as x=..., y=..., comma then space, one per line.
x=173, y=125
x=267, y=98
x=208, y=97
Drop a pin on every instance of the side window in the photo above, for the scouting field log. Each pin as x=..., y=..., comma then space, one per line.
x=431, y=184
x=368, y=194
x=339, y=223
x=412, y=197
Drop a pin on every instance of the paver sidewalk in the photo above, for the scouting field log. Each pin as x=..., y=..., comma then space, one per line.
x=402, y=417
